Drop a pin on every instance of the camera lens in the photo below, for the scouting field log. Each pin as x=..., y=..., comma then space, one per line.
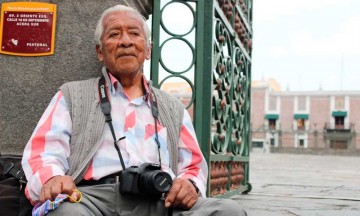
x=156, y=182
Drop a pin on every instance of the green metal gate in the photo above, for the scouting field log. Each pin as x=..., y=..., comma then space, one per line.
x=219, y=74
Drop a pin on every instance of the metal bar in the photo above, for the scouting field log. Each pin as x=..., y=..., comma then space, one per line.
x=215, y=157
x=155, y=54
x=203, y=78
x=242, y=48
x=229, y=176
x=233, y=192
x=243, y=17
x=223, y=18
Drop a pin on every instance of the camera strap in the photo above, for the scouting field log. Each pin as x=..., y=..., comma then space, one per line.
x=106, y=109
x=155, y=113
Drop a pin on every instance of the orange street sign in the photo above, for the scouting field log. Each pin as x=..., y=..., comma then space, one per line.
x=27, y=28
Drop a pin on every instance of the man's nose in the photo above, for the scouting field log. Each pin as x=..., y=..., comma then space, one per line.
x=125, y=40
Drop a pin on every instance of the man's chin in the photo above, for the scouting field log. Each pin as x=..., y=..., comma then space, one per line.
x=124, y=70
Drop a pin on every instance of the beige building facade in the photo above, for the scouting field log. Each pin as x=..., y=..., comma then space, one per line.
x=321, y=122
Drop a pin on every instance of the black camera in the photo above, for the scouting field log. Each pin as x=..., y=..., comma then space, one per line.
x=146, y=179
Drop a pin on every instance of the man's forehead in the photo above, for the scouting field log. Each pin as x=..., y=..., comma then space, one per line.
x=125, y=17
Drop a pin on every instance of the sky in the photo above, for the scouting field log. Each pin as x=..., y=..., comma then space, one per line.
x=177, y=55
x=307, y=45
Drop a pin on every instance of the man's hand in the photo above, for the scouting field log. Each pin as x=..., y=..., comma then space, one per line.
x=182, y=194
x=57, y=185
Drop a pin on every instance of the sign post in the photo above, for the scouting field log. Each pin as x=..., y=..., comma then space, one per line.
x=27, y=28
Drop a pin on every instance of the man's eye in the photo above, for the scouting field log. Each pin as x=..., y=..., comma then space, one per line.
x=135, y=33
x=114, y=34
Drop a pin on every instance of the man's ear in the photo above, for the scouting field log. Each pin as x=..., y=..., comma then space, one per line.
x=99, y=53
x=148, y=51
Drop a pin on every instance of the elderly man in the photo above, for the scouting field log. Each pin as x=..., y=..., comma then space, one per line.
x=97, y=131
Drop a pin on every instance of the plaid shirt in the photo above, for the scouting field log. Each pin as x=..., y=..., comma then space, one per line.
x=46, y=153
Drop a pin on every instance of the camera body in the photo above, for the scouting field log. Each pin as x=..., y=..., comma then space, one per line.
x=146, y=179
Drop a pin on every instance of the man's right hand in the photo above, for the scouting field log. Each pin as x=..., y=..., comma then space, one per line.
x=57, y=185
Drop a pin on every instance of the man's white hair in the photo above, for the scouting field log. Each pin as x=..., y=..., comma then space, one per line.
x=119, y=8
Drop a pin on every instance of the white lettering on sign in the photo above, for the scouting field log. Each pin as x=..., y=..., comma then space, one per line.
x=28, y=9
x=28, y=19
x=22, y=24
x=36, y=44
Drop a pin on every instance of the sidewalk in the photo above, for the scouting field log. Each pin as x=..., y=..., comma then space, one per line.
x=306, y=185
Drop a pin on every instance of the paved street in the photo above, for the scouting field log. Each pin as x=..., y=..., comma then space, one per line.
x=306, y=185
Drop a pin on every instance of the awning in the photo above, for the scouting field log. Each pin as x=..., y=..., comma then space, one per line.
x=301, y=116
x=272, y=116
x=339, y=113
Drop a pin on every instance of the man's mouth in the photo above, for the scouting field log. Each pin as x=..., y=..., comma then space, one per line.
x=125, y=55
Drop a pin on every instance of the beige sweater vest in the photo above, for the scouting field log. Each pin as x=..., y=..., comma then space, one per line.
x=88, y=123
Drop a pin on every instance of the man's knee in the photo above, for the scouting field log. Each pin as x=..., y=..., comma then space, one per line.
x=218, y=207
x=231, y=207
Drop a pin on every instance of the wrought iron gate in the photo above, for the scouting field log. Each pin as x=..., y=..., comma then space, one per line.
x=219, y=38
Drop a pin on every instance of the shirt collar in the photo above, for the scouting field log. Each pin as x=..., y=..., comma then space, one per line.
x=117, y=87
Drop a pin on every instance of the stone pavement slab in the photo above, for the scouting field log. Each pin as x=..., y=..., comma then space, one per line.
x=286, y=184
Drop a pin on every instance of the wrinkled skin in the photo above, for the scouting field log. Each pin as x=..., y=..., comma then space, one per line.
x=182, y=194
x=57, y=185
x=124, y=47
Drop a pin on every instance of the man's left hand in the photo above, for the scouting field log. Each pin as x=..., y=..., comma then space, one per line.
x=182, y=194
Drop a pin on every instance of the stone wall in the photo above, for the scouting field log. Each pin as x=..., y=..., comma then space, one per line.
x=27, y=84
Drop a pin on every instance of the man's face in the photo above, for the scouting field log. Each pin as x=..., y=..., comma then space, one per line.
x=124, y=46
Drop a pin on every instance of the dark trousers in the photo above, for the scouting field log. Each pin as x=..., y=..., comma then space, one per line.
x=12, y=197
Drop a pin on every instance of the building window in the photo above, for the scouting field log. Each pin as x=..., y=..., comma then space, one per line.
x=301, y=124
x=272, y=141
x=338, y=144
x=339, y=103
x=257, y=144
x=272, y=103
x=301, y=143
x=339, y=122
x=301, y=104
x=272, y=124
x=300, y=121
